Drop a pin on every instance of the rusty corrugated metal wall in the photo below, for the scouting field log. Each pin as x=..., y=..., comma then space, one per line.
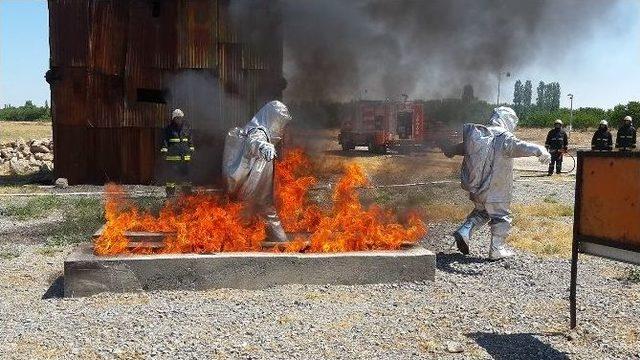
x=218, y=60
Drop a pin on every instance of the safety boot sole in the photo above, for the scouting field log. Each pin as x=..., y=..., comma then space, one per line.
x=462, y=245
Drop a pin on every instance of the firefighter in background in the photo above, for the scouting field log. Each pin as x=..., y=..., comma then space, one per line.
x=556, y=144
x=626, y=139
x=602, y=140
x=177, y=148
x=487, y=174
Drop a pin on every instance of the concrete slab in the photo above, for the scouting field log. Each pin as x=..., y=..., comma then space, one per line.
x=87, y=274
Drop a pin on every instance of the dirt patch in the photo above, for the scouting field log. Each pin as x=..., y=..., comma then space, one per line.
x=12, y=130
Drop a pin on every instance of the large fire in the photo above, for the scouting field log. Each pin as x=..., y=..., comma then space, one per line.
x=212, y=223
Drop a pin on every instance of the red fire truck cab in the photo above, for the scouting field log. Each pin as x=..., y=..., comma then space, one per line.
x=382, y=125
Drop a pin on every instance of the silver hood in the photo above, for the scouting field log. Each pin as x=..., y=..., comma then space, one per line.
x=504, y=117
x=273, y=117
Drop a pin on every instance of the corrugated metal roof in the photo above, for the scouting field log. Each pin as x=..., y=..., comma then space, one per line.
x=69, y=96
x=152, y=40
x=108, y=36
x=139, y=113
x=197, y=34
x=105, y=97
x=105, y=51
x=69, y=32
x=228, y=23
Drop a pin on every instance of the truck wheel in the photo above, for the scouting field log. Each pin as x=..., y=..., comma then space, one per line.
x=377, y=149
x=348, y=146
x=371, y=147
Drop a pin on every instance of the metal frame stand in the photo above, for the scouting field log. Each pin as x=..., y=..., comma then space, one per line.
x=574, y=281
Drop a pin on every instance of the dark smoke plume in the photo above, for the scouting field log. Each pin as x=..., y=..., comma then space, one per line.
x=335, y=49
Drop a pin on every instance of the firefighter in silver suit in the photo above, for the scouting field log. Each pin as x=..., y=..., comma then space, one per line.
x=487, y=174
x=248, y=164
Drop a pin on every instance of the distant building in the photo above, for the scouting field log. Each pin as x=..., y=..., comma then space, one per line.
x=118, y=67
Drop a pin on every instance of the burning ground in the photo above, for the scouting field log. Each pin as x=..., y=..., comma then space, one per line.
x=214, y=223
x=501, y=310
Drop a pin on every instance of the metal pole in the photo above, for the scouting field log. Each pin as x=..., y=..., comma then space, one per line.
x=499, y=78
x=571, y=112
x=571, y=116
x=574, y=280
x=575, y=243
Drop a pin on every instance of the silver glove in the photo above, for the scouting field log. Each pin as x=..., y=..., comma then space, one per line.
x=544, y=157
x=268, y=151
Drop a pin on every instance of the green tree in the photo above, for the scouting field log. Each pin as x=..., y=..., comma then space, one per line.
x=540, y=101
x=616, y=114
x=552, y=96
x=517, y=93
x=27, y=112
x=526, y=94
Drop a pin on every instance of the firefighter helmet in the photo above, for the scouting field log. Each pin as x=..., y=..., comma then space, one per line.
x=177, y=113
x=604, y=122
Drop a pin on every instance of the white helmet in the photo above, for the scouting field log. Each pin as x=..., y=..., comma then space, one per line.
x=604, y=122
x=177, y=113
x=628, y=118
x=558, y=121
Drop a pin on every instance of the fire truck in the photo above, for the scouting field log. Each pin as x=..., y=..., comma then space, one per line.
x=382, y=125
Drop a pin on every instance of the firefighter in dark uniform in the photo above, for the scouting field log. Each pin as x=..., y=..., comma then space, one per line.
x=556, y=143
x=177, y=148
x=626, y=139
x=602, y=140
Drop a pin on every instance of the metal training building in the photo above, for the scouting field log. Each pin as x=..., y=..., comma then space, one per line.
x=118, y=68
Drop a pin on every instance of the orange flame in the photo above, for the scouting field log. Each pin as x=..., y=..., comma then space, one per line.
x=213, y=223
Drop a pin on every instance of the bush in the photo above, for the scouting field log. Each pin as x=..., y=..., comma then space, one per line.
x=582, y=118
x=27, y=112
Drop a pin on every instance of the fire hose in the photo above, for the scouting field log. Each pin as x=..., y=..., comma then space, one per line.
x=573, y=167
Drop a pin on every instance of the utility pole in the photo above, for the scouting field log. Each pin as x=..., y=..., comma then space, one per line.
x=508, y=74
x=570, y=112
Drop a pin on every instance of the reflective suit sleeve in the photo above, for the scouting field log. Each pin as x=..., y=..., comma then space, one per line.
x=633, y=139
x=609, y=141
x=593, y=140
x=257, y=139
x=514, y=147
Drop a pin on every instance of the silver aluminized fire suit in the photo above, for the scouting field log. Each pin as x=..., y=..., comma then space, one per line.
x=487, y=173
x=248, y=164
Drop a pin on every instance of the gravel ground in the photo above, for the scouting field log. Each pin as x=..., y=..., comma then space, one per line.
x=517, y=309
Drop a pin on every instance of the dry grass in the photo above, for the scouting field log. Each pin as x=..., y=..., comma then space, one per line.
x=12, y=130
x=543, y=229
x=327, y=167
x=438, y=213
x=544, y=209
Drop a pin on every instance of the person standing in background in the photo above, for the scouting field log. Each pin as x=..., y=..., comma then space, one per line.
x=556, y=143
x=602, y=140
x=626, y=138
x=177, y=148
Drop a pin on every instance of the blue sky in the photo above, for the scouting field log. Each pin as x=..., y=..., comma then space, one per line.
x=603, y=72
x=24, y=51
